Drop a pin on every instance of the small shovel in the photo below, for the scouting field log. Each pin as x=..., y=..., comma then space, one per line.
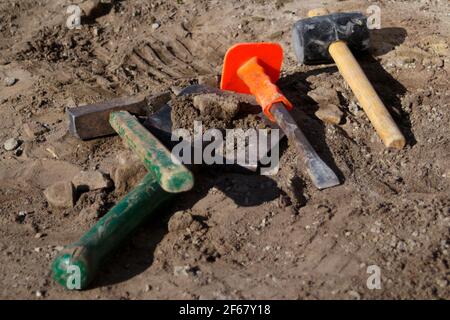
x=254, y=68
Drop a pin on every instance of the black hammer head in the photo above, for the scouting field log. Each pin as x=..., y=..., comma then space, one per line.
x=311, y=37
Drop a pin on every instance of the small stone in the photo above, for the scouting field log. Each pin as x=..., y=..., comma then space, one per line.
x=324, y=96
x=21, y=216
x=128, y=173
x=329, y=113
x=181, y=220
x=176, y=90
x=39, y=293
x=353, y=107
x=38, y=235
x=10, y=81
x=60, y=194
x=276, y=35
x=91, y=180
x=37, y=249
x=446, y=174
x=401, y=245
x=10, y=144
x=155, y=25
x=443, y=283
x=181, y=270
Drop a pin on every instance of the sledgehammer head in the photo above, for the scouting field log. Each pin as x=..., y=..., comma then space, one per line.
x=311, y=37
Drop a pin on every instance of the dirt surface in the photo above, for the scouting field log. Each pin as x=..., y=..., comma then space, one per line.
x=238, y=235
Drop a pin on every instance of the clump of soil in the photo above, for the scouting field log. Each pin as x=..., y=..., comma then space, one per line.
x=216, y=111
x=219, y=107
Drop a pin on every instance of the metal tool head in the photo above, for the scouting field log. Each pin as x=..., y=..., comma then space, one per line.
x=92, y=121
x=321, y=175
x=269, y=55
x=312, y=36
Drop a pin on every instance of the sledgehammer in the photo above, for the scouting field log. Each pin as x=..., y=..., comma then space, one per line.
x=323, y=37
x=77, y=264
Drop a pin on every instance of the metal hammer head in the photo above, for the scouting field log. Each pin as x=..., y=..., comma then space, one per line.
x=92, y=121
x=312, y=36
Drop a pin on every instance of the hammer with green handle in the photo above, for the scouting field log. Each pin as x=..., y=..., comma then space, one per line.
x=76, y=265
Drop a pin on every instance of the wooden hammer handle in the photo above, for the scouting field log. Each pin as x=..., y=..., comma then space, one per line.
x=364, y=91
x=366, y=95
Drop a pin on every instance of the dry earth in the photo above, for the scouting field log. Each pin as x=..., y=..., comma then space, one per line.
x=238, y=235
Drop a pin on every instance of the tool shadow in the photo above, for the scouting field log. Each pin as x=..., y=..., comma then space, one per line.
x=137, y=254
x=386, y=39
x=100, y=9
x=296, y=88
x=390, y=92
x=388, y=88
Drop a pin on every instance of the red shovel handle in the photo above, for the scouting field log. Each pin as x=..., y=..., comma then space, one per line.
x=261, y=86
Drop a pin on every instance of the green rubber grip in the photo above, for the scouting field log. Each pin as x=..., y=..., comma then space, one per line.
x=172, y=175
x=76, y=265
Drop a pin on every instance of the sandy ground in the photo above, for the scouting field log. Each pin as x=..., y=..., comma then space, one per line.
x=250, y=236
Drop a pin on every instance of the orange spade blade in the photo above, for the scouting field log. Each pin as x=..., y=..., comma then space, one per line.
x=269, y=55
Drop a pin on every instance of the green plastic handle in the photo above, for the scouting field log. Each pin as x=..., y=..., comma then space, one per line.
x=75, y=267
x=172, y=175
